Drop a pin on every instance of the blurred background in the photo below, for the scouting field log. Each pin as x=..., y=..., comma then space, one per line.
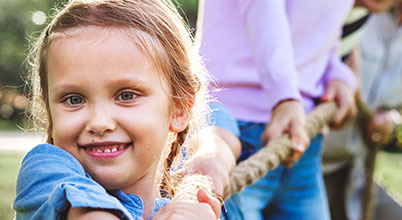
x=20, y=22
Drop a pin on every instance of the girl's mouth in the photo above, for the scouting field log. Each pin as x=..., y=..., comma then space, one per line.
x=106, y=151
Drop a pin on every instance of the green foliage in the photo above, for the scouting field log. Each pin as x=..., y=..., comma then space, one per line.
x=8, y=125
x=388, y=173
x=15, y=25
x=188, y=9
x=9, y=165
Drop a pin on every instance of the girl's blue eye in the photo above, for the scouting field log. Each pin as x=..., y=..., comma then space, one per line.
x=126, y=96
x=74, y=100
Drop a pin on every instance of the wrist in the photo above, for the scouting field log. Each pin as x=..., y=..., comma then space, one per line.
x=284, y=102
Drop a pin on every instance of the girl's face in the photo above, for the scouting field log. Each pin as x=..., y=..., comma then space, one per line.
x=108, y=106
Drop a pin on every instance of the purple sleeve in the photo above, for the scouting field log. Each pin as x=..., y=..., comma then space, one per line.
x=269, y=33
x=340, y=71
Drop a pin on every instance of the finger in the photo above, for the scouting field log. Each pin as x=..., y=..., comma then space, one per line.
x=329, y=95
x=298, y=146
x=272, y=131
x=275, y=129
x=340, y=115
x=300, y=141
x=350, y=112
x=299, y=137
x=203, y=197
x=264, y=138
x=342, y=124
x=218, y=186
x=291, y=159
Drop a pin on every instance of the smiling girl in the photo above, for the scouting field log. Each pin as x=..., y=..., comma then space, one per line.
x=115, y=84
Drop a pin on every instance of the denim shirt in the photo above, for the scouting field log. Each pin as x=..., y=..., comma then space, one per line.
x=51, y=180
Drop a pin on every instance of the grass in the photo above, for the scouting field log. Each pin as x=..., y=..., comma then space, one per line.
x=8, y=125
x=388, y=172
x=9, y=165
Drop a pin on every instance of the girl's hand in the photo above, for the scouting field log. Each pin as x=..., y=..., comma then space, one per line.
x=288, y=117
x=343, y=95
x=208, y=208
x=381, y=128
x=216, y=157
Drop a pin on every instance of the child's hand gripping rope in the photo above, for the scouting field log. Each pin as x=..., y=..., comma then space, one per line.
x=268, y=158
x=184, y=201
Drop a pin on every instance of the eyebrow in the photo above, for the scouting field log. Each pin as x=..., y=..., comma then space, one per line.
x=62, y=88
x=135, y=82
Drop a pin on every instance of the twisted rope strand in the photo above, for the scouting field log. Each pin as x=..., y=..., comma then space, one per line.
x=256, y=166
x=269, y=157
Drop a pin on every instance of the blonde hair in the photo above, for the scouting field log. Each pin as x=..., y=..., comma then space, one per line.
x=161, y=34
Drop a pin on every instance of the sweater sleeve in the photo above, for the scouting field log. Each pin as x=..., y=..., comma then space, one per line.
x=270, y=36
x=340, y=71
x=51, y=180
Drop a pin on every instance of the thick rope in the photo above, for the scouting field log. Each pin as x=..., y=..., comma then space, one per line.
x=365, y=115
x=188, y=187
x=257, y=165
x=269, y=157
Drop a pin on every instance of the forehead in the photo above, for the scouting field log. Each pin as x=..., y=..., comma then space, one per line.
x=81, y=52
x=148, y=46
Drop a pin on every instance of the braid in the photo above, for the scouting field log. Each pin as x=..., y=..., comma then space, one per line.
x=167, y=181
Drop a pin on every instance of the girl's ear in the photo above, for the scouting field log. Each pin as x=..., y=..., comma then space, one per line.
x=180, y=119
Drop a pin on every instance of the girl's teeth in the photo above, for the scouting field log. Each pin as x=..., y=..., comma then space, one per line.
x=112, y=149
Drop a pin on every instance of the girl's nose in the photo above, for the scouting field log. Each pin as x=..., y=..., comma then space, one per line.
x=100, y=121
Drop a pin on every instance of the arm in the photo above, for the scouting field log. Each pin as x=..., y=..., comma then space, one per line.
x=340, y=86
x=208, y=208
x=354, y=63
x=218, y=150
x=51, y=180
x=82, y=213
x=270, y=35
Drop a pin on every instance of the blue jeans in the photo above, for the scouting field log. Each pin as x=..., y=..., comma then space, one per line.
x=294, y=193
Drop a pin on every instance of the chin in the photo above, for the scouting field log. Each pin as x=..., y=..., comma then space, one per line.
x=109, y=180
x=110, y=183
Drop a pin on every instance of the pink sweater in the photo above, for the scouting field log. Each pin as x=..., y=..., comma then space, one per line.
x=262, y=52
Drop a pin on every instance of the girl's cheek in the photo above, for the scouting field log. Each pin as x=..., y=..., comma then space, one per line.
x=66, y=127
